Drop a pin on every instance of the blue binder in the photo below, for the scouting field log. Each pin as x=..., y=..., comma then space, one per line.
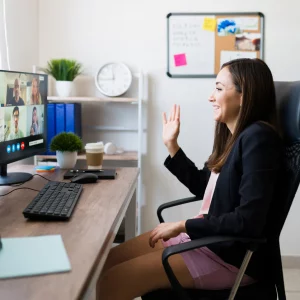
x=73, y=118
x=60, y=118
x=51, y=118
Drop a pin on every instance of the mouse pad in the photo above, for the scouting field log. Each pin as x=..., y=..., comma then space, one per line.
x=103, y=174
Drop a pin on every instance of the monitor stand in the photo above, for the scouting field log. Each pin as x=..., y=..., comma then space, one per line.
x=13, y=177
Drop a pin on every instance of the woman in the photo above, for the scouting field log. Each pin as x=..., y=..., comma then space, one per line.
x=237, y=185
x=34, y=128
x=35, y=94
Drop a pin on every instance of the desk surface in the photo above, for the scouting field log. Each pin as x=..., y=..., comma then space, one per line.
x=87, y=236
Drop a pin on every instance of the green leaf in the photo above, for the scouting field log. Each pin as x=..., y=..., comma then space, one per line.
x=63, y=69
x=66, y=141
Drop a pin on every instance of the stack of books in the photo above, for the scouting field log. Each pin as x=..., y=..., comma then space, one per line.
x=41, y=169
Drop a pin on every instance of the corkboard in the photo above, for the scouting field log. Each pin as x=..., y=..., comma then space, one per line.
x=195, y=48
x=228, y=42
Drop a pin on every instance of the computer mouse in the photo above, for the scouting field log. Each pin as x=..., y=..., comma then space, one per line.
x=85, y=178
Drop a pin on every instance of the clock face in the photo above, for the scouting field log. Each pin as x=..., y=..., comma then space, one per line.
x=113, y=79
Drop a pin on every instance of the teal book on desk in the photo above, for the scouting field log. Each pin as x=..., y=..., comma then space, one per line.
x=29, y=256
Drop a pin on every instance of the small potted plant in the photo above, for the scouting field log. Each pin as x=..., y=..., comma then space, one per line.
x=66, y=145
x=64, y=71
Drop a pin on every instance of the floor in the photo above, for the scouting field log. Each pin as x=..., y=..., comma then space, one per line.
x=292, y=284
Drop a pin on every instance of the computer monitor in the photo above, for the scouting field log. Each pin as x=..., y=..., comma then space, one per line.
x=23, y=116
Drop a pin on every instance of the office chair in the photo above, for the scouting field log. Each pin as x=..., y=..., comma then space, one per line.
x=288, y=113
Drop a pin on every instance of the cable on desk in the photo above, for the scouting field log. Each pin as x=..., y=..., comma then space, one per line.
x=42, y=177
x=22, y=188
x=25, y=187
x=18, y=184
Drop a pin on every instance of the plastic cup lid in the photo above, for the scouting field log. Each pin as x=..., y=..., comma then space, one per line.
x=94, y=146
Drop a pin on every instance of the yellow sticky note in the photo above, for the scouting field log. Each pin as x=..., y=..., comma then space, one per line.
x=209, y=24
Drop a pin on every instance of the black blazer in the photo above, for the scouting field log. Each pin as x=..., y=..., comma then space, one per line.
x=244, y=191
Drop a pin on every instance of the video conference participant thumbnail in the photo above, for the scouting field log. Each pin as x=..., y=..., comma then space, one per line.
x=35, y=96
x=3, y=88
x=35, y=119
x=15, y=99
x=2, y=125
x=15, y=121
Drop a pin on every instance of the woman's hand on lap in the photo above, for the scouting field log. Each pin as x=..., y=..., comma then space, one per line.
x=166, y=231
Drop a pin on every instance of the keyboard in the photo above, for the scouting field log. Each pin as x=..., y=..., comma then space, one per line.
x=56, y=201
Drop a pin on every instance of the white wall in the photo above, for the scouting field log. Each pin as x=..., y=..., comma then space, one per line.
x=134, y=31
x=22, y=37
x=22, y=34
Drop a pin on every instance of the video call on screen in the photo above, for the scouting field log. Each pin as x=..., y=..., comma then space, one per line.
x=22, y=101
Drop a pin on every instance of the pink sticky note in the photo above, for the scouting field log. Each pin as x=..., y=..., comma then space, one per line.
x=180, y=60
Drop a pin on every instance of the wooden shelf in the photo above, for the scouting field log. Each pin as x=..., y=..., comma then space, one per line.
x=130, y=155
x=133, y=155
x=112, y=128
x=90, y=99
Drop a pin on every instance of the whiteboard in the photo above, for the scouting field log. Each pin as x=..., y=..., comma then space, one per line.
x=187, y=40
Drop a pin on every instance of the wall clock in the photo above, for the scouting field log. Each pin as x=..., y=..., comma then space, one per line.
x=113, y=79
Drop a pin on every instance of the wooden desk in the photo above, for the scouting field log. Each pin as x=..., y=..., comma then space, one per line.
x=87, y=236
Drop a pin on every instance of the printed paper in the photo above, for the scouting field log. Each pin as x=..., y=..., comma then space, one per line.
x=230, y=55
x=249, y=23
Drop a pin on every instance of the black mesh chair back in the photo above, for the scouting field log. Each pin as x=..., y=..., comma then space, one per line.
x=288, y=112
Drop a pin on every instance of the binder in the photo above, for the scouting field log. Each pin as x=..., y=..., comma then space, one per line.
x=73, y=118
x=51, y=118
x=60, y=118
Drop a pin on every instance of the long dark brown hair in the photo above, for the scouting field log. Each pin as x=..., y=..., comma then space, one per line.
x=252, y=78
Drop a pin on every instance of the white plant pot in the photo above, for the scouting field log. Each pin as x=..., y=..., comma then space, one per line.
x=66, y=159
x=64, y=88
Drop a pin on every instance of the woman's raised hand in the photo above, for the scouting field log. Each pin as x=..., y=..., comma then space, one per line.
x=171, y=128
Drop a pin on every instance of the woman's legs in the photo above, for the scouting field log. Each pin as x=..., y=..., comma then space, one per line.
x=137, y=276
x=129, y=250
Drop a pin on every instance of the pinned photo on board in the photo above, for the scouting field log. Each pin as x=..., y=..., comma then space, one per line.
x=228, y=27
x=248, y=41
x=234, y=26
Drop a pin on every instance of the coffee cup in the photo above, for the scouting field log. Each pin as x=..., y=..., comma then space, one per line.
x=94, y=155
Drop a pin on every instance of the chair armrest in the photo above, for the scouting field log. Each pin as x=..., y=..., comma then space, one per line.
x=171, y=250
x=174, y=203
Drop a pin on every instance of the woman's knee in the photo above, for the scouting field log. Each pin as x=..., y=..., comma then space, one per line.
x=140, y=275
x=131, y=249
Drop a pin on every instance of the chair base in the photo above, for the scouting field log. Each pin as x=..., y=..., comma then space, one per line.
x=257, y=291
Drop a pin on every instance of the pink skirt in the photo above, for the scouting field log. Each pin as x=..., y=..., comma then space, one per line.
x=208, y=270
